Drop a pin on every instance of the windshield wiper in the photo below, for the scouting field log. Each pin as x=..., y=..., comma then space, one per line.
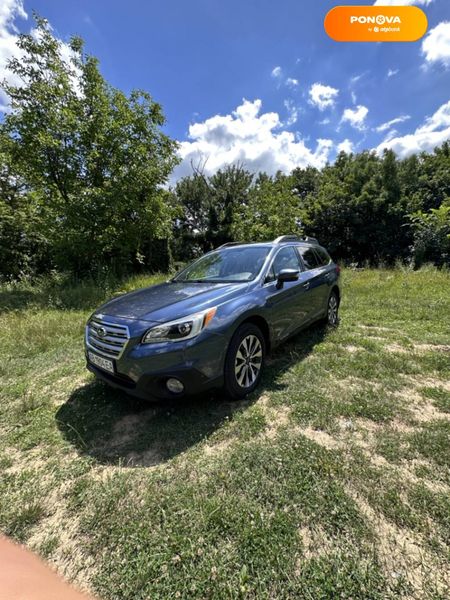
x=204, y=281
x=188, y=280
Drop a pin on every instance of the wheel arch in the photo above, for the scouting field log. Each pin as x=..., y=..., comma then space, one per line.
x=337, y=291
x=262, y=324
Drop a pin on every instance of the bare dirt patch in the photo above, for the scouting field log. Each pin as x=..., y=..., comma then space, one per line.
x=70, y=557
x=352, y=349
x=420, y=408
x=403, y=553
x=212, y=450
x=432, y=347
x=398, y=349
x=321, y=437
x=420, y=381
x=315, y=542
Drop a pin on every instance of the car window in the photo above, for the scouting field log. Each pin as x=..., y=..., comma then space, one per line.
x=286, y=258
x=228, y=264
x=323, y=256
x=309, y=257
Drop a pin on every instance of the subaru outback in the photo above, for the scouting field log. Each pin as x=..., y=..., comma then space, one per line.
x=212, y=325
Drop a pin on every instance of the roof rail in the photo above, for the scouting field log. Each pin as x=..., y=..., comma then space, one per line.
x=286, y=238
x=295, y=238
x=229, y=244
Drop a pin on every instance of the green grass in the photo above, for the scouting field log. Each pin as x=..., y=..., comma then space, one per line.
x=331, y=481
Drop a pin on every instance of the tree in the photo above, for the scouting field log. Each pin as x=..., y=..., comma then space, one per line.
x=22, y=249
x=432, y=235
x=358, y=210
x=207, y=208
x=272, y=209
x=94, y=160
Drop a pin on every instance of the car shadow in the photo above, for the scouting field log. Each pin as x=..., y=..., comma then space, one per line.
x=114, y=428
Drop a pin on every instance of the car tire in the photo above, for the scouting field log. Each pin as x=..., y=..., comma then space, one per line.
x=244, y=362
x=332, y=317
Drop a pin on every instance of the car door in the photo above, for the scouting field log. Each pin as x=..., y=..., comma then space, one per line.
x=315, y=281
x=327, y=274
x=288, y=306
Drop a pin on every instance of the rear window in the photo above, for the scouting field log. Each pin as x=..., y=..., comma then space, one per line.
x=309, y=257
x=322, y=256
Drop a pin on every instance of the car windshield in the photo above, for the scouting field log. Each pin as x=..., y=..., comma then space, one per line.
x=230, y=264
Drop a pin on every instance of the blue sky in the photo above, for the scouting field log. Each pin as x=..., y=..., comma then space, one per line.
x=306, y=95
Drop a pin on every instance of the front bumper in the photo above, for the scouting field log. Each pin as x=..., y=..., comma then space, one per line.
x=154, y=386
x=143, y=369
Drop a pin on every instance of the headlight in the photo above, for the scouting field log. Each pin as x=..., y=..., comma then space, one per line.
x=181, y=329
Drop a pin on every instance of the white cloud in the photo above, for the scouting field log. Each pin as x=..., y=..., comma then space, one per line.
x=440, y=119
x=276, y=72
x=434, y=131
x=390, y=136
x=356, y=117
x=278, y=75
x=388, y=124
x=392, y=72
x=356, y=78
x=9, y=11
x=354, y=98
x=345, y=146
x=323, y=96
x=250, y=137
x=291, y=82
x=292, y=112
x=436, y=45
x=401, y=2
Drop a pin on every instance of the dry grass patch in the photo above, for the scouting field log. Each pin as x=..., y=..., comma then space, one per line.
x=398, y=349
x=69, y=556
x=352, y=349
x=315, y=543
x=218, y=448
x=432, y=347
x=404, y=553
x=420, y=381
x=321, y=437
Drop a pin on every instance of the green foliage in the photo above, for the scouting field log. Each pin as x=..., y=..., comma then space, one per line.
x=357, y=210
x=84, y=169
x=272, y=209
x=207, y=208
x=22, y=247
x=432, y=235
x=92, y=160
x=358, y=207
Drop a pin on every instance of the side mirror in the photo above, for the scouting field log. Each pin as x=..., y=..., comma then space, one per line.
x=286, y=275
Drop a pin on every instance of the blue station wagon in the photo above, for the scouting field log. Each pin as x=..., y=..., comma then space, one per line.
x=213, y=324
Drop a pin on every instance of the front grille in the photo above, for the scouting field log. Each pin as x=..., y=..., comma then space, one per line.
x=106, y=338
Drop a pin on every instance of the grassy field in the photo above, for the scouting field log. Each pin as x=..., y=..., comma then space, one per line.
x=332, y=481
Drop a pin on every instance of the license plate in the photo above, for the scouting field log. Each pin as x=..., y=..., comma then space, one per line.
x=103, y=363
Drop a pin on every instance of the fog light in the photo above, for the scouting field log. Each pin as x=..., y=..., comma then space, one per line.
x=175, y=386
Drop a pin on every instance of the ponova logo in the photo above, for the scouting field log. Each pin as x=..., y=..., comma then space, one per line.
x=375, y=23
x=379, y=19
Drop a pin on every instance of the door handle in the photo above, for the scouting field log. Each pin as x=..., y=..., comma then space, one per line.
x=306, y=285
x=327, y=275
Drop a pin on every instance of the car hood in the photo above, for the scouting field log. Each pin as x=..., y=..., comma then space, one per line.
x=170, y=300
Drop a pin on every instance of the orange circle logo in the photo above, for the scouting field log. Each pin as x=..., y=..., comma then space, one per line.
x=376, y=23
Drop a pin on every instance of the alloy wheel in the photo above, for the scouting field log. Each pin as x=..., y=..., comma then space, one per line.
x=248, y=361
x=332, y=310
